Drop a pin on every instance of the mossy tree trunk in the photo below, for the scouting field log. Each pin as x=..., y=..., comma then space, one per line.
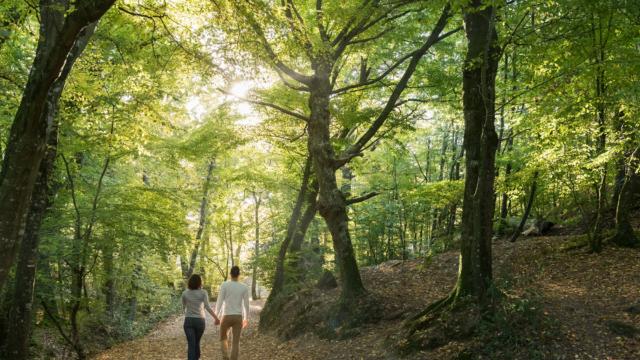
x=279, y=276
x=298, y=238
x=332, y=204
x=480, y=144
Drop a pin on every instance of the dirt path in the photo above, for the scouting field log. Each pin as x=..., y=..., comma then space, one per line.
x=168, y=341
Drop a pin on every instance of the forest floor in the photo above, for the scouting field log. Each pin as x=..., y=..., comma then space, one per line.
x=590, y=303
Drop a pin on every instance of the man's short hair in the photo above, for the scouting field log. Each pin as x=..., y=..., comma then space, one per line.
x=195, y=282
x=235, y=271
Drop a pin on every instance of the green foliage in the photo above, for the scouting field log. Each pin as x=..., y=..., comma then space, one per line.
x=142, y=117
x=516, y=329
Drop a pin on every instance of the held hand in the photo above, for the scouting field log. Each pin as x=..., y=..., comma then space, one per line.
x=217, y=321
x=245, y=323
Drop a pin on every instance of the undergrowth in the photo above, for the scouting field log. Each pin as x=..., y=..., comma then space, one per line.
x=517, y=328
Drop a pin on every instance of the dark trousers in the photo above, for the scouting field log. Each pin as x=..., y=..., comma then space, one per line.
x=193, y=328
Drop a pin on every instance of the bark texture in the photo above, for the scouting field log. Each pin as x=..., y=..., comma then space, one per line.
x=480, y=144
x=278, y=280
x=332, y=204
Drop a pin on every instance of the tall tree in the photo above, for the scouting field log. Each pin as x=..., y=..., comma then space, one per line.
x=324, y=51
x=480, y=144
x=22, y=305
x=61, y=25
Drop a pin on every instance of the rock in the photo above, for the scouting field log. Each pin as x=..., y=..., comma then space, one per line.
x=327, y=281
x=539, y=227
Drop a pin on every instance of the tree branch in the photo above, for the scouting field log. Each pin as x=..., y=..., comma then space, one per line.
x=362, y=198
x=267, y=104
x=433, y=38
x=56, y=323
x=304, y=79
x=320, y=21
x=376, y=79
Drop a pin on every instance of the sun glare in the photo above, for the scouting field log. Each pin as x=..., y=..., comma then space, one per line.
x=241, y=88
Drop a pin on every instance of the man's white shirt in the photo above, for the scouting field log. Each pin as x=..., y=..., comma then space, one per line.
x=233, y=299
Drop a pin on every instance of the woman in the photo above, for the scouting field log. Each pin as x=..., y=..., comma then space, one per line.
x=194, y=301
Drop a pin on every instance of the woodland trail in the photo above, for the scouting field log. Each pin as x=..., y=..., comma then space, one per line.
x=167, y=341
x=580, y=295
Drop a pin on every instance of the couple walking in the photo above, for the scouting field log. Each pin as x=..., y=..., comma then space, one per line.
x=233, y=301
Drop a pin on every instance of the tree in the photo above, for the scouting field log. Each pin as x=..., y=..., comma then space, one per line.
x=204, y=203
x=480, y=145
x=323, y=52
x=23, y=300
x=61, y=26
x=257, y=200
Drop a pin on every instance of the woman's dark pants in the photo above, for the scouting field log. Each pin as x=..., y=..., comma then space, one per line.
x=193, y=328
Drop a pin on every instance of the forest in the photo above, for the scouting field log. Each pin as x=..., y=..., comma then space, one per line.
x=443, y=179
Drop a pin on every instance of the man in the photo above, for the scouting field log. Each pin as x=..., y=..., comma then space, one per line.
x=233, y=300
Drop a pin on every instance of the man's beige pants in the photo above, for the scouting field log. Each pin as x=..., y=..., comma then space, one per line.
x=233, y=322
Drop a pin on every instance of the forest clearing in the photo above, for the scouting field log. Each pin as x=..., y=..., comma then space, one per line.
x=343, y=179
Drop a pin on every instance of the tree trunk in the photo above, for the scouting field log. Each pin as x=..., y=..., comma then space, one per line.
x=299, y=235
x=278, y=279
x=26, y=145
x=480, y=143
x=133, y=298
x=625, y=235
x=626, y=181
x=21, y=312
x=257, y=199
x=454, y=175
x=331, y=203
x=204, y=202
x=595, y=240
x=109, y=287
x=621, y=177
x=527, y=211
x=505, y=198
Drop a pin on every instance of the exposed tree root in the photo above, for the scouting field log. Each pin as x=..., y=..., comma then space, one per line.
x=453, y=317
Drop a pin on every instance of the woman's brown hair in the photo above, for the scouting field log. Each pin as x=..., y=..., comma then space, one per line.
x=195, y=282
